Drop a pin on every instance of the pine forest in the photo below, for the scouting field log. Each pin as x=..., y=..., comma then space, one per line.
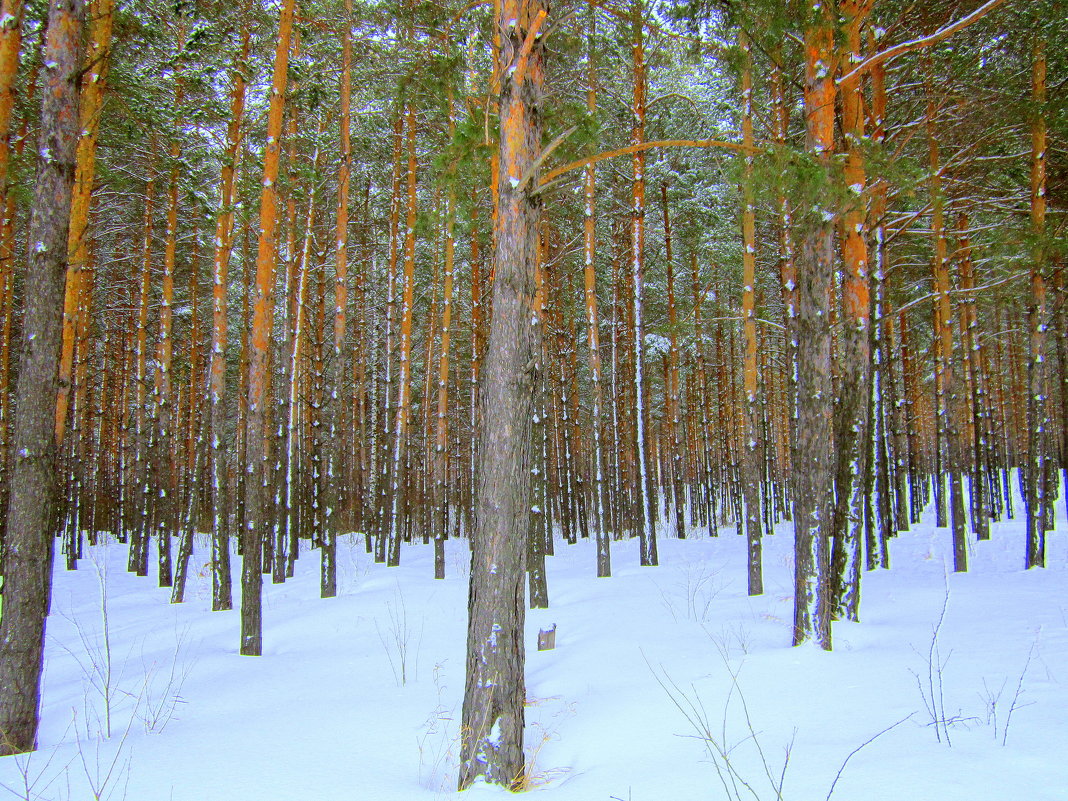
x=511, y=304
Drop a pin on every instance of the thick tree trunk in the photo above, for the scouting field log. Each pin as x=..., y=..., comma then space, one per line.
x=101, y=14
x=492, y=727
x=851, y=415
x=814, y=453
x=32, y=514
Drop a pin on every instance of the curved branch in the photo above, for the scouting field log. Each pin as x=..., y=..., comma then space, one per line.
x=626, y=151
x=885, y=56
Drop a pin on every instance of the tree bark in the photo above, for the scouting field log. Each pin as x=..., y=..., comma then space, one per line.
x=751, y=449
x=221, y=592
x=335, y=413
x=11, y=14
x=647, y=513
x=92, y=99
x=944, y=334
x=493, y=715
x=851, y=414
x=1037, y=424
x=813, y=458
x=32, y=514
x=259, y=348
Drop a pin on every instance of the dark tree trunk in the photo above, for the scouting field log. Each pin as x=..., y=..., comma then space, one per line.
x=32, y=513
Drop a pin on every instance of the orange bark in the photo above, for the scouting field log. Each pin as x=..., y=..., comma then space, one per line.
x=11, y=12
x=101, y=14
x=1036, y=372
x=441, y=463
x=224, y=239
x=751, y=451
x=814, y=481
x=944, y=335
x=259, y=345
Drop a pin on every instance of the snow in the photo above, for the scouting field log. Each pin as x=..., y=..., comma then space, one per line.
x=358, y=697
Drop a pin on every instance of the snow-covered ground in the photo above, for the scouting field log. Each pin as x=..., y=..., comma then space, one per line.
x=358, y=697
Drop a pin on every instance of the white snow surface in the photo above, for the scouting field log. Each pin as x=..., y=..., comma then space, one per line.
x=324, y=713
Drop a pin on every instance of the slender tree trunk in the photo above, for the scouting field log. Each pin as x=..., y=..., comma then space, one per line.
x=221, y=590
x=32, y=513
x=138, y=555
x=259, y=348
x=540, y=537
x=705, y=484
x=973, y=351
x=944, y=333
x=441, y=434
x=1061, y=330
x=290, y=517
x=476, y=371
x=335, y=413
x=788, y=278
x=589, y=234
x=751, y=448
x=189, y=472
x=647, y=528
x=404, y=378
x=492, y=725
x=1037, y=423
x=163, y=463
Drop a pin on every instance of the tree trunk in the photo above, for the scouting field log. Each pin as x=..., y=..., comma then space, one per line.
x=32, y=513
x=851, y=415
x=813, y=459
x=788, y=279
x=980, y=415
x=335, y=413
x=101, y=14
x=398, y=476
x=1037, y=424
x=221, y=590
x=589, y=232
x=944, y=333
x=751, y=449
x=647, y=513
x=259, y=347
x=493, y=715
x=163, y=463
